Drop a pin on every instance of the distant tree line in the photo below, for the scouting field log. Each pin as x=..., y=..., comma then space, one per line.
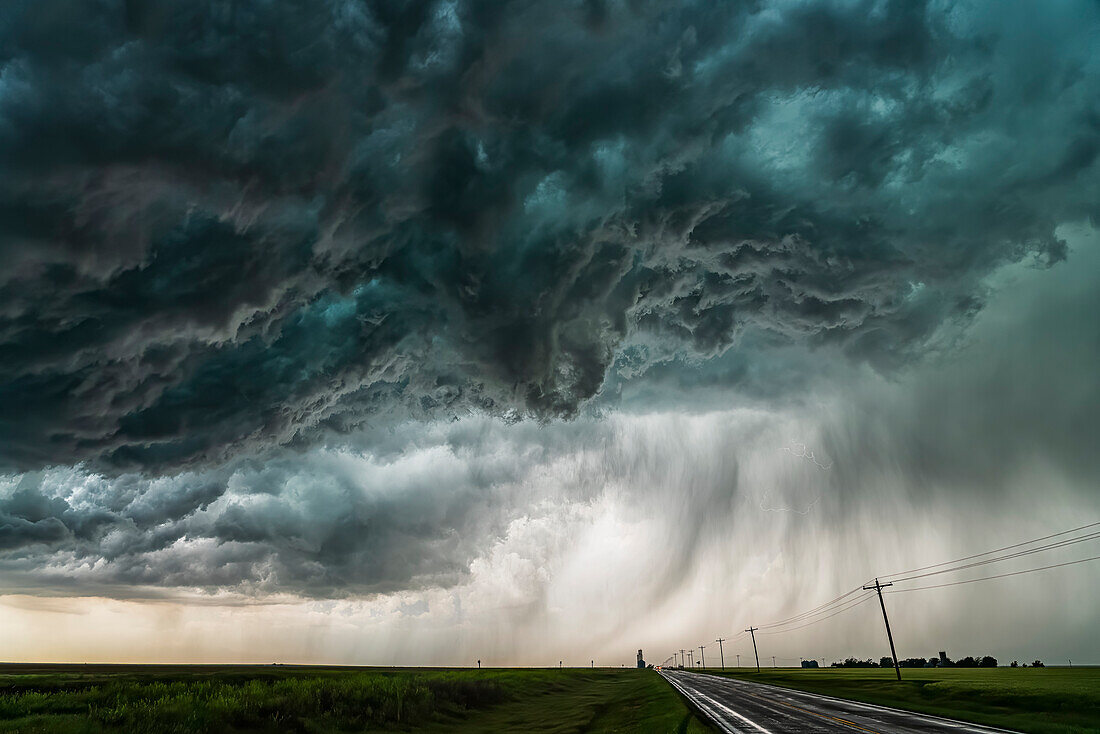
x=970, y=661
x=854, y=663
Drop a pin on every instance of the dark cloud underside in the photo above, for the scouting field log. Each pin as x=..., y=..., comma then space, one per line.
x=226, y=226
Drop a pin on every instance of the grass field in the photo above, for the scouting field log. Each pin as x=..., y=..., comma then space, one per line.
x=1039, y=700
x=164, y=699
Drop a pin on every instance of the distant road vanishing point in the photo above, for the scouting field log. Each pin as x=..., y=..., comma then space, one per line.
x=743, y=707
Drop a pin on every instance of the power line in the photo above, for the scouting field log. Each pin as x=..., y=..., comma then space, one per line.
x=736, y=638
x=811, y=612
x=995, y=550
x=808, y=614
x=808, y=617
x=839, y=603
x=997, y=576
x=855, y=603
x=1017, y=554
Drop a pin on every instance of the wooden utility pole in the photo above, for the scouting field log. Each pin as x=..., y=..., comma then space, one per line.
x=752, y=631
x=889, y=635
x=721, y=652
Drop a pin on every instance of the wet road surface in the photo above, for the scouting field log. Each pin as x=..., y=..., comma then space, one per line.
x=744, y=707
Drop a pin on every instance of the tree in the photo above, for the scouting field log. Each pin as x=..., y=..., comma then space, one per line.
x=886, y=662
x=988, y=662
x=1015, y=664
x=1038, y=664
x=857, y=663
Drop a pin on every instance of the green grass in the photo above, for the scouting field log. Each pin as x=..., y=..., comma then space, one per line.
x=231, y=700
x=590, y=701
x=1038, y=700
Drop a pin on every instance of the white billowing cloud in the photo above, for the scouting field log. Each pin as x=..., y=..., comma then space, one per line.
x=676, y=549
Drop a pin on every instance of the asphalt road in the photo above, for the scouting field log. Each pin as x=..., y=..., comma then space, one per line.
x=756, y=708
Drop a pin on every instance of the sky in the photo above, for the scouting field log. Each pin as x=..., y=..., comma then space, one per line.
x=424, y=333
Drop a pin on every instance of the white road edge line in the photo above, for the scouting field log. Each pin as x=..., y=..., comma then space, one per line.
x=721, y=706
x=707, y=710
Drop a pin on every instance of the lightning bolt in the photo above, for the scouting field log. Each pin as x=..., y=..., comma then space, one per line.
x=799, y=451
x=804, y=511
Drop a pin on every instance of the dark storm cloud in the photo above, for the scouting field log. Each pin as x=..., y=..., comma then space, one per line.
x=231, y=225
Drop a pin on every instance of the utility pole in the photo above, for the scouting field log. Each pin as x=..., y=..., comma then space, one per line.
x=738, y=660
x=752, y=631
x=889, y=635
x=479, y=665
x=773, y=661
x=702, y=657
x=721, y=652
x=593, y=663
x=683, y=660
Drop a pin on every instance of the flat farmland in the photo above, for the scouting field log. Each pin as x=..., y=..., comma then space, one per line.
x=1039, y=700
x=86, y=699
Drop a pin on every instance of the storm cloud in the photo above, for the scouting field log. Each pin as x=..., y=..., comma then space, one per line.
x=448, y=541
x=1007, y=419
x=232, y=226
x=426, y=332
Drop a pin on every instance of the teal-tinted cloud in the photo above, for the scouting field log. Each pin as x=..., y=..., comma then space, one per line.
x=229, y=226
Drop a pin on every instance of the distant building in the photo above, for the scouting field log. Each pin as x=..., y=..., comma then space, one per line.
x=809, y=664
x=641, y=663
